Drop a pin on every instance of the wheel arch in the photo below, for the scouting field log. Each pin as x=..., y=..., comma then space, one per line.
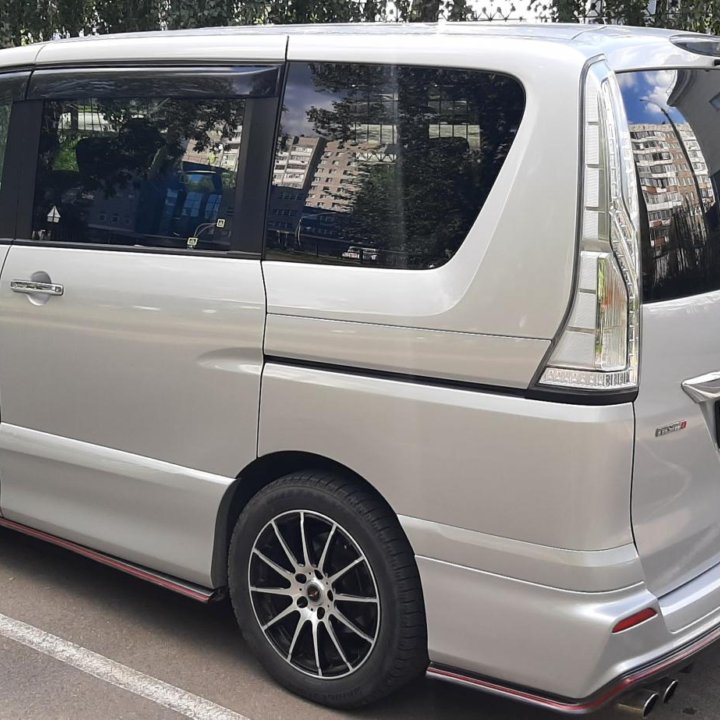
x=253, y=478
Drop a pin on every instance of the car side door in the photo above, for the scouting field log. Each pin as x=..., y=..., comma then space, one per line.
x=13, y=86
x=132, y=305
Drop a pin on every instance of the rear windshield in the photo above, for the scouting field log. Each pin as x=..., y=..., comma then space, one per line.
x=674, y=118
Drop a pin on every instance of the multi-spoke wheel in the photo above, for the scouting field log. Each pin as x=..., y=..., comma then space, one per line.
x=314, y=594
x=326, y=591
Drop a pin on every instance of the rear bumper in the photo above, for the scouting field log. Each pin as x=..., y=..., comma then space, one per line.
x=555, y=648
x=584, y=706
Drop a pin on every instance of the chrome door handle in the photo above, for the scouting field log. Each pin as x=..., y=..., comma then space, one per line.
x=30, y=287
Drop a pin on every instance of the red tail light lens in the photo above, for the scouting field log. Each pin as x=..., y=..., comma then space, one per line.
x=636, y=619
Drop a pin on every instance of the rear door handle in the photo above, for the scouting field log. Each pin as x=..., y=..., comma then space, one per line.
x=30, y=287
x=704, y=388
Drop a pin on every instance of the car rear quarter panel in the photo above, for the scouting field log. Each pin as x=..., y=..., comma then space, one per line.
x=553, y=474
x=512, y=276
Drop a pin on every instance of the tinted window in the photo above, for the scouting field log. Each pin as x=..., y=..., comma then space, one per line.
x=386, y=166
x=674, y=118
x=158, y=172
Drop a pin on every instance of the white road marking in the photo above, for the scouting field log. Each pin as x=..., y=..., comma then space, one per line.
x=92, y=663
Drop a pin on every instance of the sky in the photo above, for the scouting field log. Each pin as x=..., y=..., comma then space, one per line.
x=645, y=93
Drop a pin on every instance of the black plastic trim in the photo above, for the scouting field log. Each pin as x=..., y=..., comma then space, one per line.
x=150, y=249
x=273, y=151
x=581, y=397
x=13, y=86
x=259, y=81
x=21, y=67
x=255, y=174
x=528, y=393
x=16, y=198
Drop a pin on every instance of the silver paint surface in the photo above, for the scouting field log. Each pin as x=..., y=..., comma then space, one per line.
x=145, y=359
x=547, y=473
x=130, y=402
x=676, y=480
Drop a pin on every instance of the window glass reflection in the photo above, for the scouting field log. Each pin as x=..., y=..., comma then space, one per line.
x=147, y=172
x=674, y=125
x=386, y=165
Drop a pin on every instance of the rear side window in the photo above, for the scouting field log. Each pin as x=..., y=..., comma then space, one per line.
x=674, y=119
x=385, y=165
x=152, y=172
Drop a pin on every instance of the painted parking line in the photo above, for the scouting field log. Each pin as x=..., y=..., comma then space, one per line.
x=92, y=663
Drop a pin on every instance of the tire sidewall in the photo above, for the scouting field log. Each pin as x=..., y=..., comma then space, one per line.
x=270, y=503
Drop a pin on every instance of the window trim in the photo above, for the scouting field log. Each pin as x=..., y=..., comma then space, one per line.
x=251, y=194
x=243, y=81
x=17, y=83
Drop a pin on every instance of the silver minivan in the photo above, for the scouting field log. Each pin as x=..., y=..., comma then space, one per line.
x=405, y=337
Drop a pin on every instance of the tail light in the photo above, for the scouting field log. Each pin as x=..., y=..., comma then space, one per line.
x=598, y=348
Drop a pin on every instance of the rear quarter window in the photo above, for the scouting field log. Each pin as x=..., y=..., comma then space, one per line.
x=674, y=122
x=386, y=165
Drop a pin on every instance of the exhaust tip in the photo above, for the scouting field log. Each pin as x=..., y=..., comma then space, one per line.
x=670, y=687
x=638, y=704
x=664, y=687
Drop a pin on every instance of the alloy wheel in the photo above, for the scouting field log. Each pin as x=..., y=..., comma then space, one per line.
x=314, y=594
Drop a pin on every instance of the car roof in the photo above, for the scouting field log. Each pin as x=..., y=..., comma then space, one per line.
x=269, y=42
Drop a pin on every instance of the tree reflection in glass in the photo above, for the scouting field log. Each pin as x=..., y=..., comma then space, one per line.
x=158, y=172
x=400, y=161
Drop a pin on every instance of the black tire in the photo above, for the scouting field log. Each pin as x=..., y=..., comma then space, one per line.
x=399, y=653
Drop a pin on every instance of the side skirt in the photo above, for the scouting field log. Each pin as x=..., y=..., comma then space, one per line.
x=196, y=592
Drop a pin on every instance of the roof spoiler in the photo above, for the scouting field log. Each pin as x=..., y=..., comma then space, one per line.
x=697, y=44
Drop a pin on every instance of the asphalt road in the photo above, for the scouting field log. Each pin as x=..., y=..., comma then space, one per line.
x=197, y=648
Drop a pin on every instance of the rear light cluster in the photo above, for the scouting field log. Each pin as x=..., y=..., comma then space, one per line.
x=599, y=346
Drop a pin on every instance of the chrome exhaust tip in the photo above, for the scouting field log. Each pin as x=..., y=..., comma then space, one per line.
x=665, y=688
x=639, y=703
x=670, y=687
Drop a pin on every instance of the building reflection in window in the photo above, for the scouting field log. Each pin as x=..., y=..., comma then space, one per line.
x=674, y=124
x=386, y=165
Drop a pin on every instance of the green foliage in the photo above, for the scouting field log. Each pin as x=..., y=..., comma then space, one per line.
x=699, y=15
x=695, y=15
x=24, y=21
x=66, y=159
x=115, y=16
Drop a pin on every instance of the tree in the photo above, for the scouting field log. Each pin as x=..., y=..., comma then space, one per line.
x=23, y=21
x=115, y=16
